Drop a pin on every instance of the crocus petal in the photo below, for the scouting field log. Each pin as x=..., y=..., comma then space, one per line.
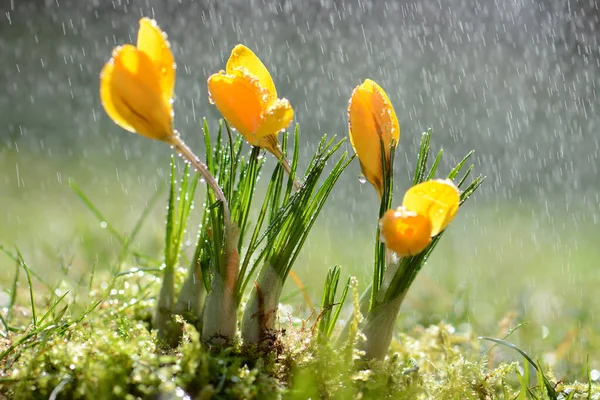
x=276, y=118
x=131, y=94
x=405, y=232
x=106, y=96
x=238, y=99
x=371, y=118
x=437, y=199
x=246, y=96
x=243, y=59
x=152, y=41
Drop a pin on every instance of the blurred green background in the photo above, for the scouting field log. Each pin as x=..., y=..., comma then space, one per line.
x=516, y=83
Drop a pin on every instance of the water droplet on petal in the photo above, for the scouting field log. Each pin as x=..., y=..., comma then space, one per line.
x=362, y=179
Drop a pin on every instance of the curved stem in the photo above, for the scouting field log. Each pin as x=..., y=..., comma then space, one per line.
x=275, y=149
x=181, y=148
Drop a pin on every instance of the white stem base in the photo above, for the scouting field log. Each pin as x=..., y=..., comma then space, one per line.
x=191, y=297
x=219, y=322
x=378, y=328
x=258, y=322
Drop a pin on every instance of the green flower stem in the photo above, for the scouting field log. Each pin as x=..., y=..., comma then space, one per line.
x=285, y=164
x=220, y=315
x=381, y=253
x=392, y=264
x=384, y=312
x=181, y=148
x=191, y=297
x=219, y=324
x=220, y=309
x=258, y=322
x=164, y=308
x=378, y=328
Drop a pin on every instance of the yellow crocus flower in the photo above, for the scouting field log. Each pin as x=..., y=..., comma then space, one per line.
x=246, y=97
x=427, y=209
x=371, y=120
x=136, y=90
x=136, y=85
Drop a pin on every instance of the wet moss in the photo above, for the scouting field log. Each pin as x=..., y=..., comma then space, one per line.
x=112, y=353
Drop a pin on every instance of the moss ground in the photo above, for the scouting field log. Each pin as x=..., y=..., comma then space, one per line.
x=503, y=269
x=110, y=352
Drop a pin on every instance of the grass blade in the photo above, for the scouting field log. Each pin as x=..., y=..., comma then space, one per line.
x=90, y=206
x=53, y=307
x=142, y=218
x=31, y=298
x=455, y=171
x=422, y=157
x=13, y=294
x=435, y=165
x=549, y=387
x=464, y=178
x=464, y=196
x=589, y=376
x=5, y=324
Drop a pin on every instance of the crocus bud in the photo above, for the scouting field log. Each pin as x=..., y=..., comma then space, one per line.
x=371, y=121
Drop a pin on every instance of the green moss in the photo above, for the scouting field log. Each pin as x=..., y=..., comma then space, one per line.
x=111, y=353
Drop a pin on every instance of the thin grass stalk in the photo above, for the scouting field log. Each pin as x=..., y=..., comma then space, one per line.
x=181, y=148
x=330, y=309
x=177, y=218
x=164, y=306
x=364, y=303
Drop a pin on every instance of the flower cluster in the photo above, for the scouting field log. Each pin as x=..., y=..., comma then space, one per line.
x=428, y=207
x=136, y=89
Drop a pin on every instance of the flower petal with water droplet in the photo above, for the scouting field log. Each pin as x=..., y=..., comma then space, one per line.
x=405, y=232
x=437, y=199
x=238, y=99
x=371, y=119
x=152, y=41
x=243, y=58
x=132, y=96
x=277, y=117
x=245, y=95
